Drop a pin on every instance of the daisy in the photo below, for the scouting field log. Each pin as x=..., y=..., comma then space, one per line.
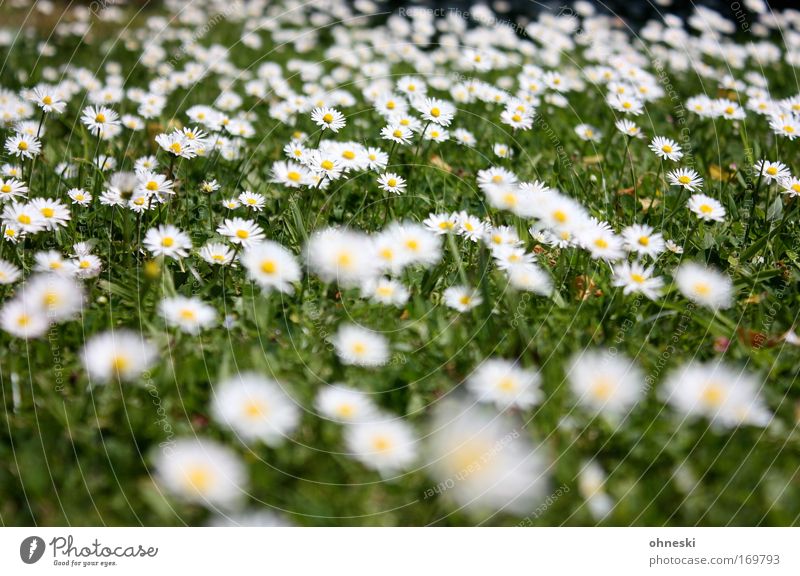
x=441, y=223
x=201, y=471
x=436, y=111
x=726, y=395
x=772, y=171
x=177, y=144
x=461, y=298
x=635, y=278
x=706, y=208
x=343, y=256
x=48, y=99
x=385, y=291
x=360, y=347
x=271, y=266
x=471, y=227
x=588, y=133
x=641, y=239
x=387, y=446
x=391, y=182
x=24, y=216
x=666, y=149
x=517, y=120
x=377, y=159
x=150, y=183
x=9, y=273
x=23, y=146
x=231, y=203
x=85, y=265
x=241, y=232
x=216, y=253
x=326, y=164
x=628, y=128
x=255, y=408
x=57, y=297
x=291, y=174
x=54, y=213
x=605, y=383
x=79, y=196
x=117, y=354
x=530, y=278
x=252, y=200
x=790, y=186
x=190, y=315
x=11, y=189
x=99, y=119
x=484, y=460
x=685, y=177
x=344, y=405
x=625, y=104
x=396, y=133
x=50, y=261
x=601, y=242
x=505, y=384
x=705, y=286
x=22, y=319
x=502, y=151
x=591, y=485
x=209, y=186
x=167, y=240
x=788, y=126
x=328, y=119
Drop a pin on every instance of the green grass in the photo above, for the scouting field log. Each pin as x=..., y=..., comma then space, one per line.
x=80, y=455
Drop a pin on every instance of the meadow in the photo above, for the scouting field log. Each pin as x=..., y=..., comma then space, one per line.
x=273, y=263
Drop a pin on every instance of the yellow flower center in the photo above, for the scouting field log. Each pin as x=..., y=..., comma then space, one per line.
x=666, y=148
x=168, y=241
x=706, y=209
x=152, y=185
x=601, y=243
x=713, y=395
x=47, y=100
x=349, y=154
x=198, y=479
x=243, y=234
x=644, y=240
x=328, y=118
x=188, y=314
x=268, y=267
x=293, y=176
x=255, y=409
x=100, y=118
x=327, y=165
x=435, y=112
x=772, y=170
x=702, y=288
x=381, y=444
x=22, y=145
x=47, y=212
x=24, y=219
x=344, y=260
x=120, y=363
x=638, y=278
x=684, y=179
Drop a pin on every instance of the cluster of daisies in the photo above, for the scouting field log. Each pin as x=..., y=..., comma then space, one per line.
x=147, y=155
